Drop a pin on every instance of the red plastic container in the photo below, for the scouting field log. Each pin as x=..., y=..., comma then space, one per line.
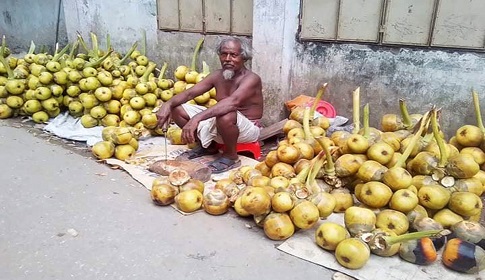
x=325, y=109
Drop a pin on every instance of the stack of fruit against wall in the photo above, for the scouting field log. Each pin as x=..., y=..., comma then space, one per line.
x=100, y=87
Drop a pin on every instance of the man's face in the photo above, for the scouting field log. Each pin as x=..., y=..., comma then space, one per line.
x=231, y=59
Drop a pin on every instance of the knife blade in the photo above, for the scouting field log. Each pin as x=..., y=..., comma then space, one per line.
x=164, y=130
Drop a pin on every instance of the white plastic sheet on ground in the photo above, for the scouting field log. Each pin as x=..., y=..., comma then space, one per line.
x=68, y=127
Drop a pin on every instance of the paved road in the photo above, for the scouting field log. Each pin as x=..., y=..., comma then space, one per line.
x=65, y=216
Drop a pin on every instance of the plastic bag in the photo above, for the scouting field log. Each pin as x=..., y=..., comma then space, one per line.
x=301, y=100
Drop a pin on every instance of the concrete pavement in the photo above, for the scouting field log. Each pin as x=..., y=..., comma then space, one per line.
x=65, y=216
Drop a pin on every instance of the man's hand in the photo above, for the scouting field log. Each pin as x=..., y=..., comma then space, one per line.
x=189, y=131
x=163, y=114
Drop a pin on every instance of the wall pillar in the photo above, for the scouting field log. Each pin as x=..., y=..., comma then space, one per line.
x=275, y=24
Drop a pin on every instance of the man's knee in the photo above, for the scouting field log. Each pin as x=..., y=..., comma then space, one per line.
x=179, y=112
x=229, y=119
x=180, y=116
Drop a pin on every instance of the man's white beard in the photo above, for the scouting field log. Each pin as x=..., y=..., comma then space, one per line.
x=228, y=74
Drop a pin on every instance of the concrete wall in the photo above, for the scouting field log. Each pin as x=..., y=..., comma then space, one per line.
x=423, y=78
x=24, y=20
x=384, y=74
x=288, y=67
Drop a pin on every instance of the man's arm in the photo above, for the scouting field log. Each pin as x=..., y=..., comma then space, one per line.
x=164, y=111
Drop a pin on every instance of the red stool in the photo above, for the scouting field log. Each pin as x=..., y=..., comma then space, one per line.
x=254, y=148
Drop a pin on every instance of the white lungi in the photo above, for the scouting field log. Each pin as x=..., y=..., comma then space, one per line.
x=207, y=129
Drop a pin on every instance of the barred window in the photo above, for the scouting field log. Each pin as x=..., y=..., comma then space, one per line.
x=430, y=23
x=206, y=16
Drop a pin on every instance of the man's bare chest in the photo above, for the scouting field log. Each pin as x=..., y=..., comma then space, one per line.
x=226, y=89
